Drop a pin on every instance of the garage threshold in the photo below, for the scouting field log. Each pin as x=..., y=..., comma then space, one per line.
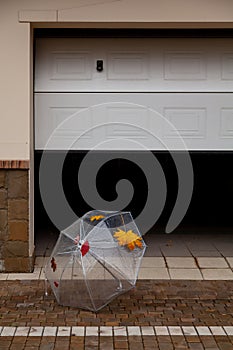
x=192, y=256
x=157, y=268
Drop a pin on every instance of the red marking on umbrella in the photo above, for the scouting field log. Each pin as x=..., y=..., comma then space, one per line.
x=85, y=248
x=55, y=283
x=53, y=265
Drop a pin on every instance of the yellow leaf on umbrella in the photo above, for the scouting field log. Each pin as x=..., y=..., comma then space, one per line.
x=96, y=217
x=128, y=238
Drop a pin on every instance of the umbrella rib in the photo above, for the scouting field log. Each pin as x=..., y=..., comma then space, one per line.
x=105, y=267
x=67, y=252
x=87, y=285
x=102, y=262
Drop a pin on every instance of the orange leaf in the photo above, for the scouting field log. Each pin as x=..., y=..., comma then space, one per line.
x=96, y=217
x=128, y=238
x=131, y=245
x=138, y=243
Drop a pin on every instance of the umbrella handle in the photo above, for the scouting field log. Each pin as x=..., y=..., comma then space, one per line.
x=46, y=287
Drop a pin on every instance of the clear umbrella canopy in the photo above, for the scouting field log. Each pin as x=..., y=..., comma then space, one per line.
x=95, y=259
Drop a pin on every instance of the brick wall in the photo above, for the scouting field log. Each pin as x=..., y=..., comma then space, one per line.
x=14, y=221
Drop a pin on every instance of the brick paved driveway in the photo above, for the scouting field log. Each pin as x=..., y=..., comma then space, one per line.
x=155, y=315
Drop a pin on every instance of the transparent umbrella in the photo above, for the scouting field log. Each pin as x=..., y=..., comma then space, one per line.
x=95, y=259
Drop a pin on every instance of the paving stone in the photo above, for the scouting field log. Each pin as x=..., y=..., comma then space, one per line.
x=189, y=330
x=202, y=330
x=229, y=330
x=181, y=262
x=196, y=346
x=230, y=261
x=35, y=331
x=181, y=274
x=47, y=346
x=153, y=273
x=217, y=274
x=50, y=331
x=92, y=331
x=217, y=330
x=8, y=332
x=134, y=330
x=22, y=276
x=119, y=331
x=121, y=344
x=78, y=331
x=147, y=330
x=22, y=331
x=212, y=262
x=166, y=346
x=205, y=253
x=225, y=346
x=154, y=262
x=63, y=331
x=106, y=345
x=175, y=330
x=106, y=331
x=161, y=330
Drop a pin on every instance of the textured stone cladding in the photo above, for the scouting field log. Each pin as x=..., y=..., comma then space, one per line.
x=14, y=221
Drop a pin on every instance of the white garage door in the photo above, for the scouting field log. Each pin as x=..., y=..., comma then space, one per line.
x=188, y=82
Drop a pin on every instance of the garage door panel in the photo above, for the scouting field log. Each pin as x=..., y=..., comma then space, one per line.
x=205, y=121
x=226, y=123
x=70, y=66
x=185, y=66
x=128, y=65
x=52, y=115
x=227, y=66
x=190, y=122
x=120, y=121
x=182, y=65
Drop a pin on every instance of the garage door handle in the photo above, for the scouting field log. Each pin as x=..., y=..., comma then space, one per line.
x=99, y=65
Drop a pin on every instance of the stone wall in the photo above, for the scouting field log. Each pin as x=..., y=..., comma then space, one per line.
x=14, y=221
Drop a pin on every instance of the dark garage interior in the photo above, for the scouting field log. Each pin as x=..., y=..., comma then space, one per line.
x=209, y=209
